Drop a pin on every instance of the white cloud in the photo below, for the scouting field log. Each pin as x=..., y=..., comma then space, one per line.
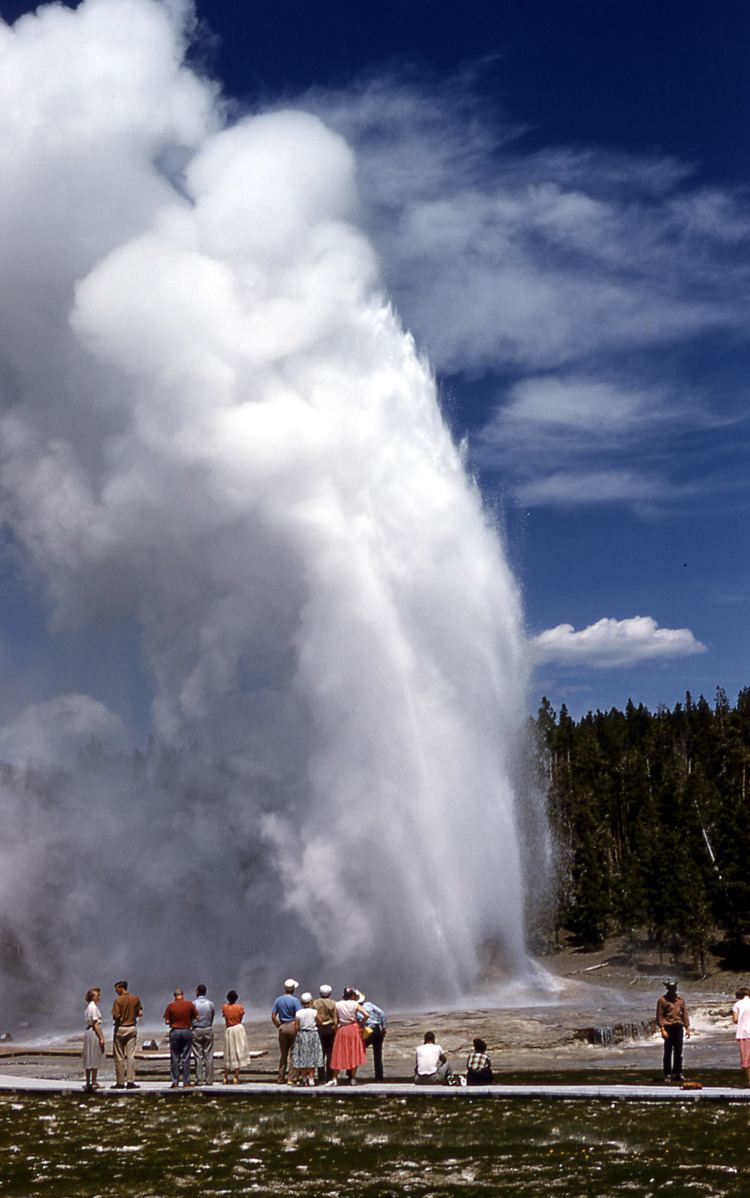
x=611, y=643
x=575, y=277
x=571, y=488
x=502, y=259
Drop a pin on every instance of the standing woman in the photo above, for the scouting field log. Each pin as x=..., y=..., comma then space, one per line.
x=235, y=1039
x=93, y=1039
x=348, y=1049
x=307, y=1051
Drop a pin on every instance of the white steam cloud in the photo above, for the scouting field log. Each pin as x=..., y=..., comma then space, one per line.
x=215, y=431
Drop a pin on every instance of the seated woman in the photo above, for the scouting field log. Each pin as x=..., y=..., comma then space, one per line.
x=478, y=1065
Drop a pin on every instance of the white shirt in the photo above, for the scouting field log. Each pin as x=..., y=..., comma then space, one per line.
x=428, y=1058
x=742, y=1010
x=307, y=1018
x=93, y=1014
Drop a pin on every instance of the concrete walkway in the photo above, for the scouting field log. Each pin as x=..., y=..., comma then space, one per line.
x=40, y=1085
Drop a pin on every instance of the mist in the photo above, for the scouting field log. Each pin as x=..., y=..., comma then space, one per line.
x=225, y=482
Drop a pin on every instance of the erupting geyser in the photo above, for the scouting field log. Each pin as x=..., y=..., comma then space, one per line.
x=224, y=467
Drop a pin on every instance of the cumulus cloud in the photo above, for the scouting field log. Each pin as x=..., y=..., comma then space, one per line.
x=612, y=643
x=216, y=434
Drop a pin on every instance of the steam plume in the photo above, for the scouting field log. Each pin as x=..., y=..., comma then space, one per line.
x=220, y=446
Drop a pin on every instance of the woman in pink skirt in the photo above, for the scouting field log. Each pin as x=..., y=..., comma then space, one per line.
x=348, y=1049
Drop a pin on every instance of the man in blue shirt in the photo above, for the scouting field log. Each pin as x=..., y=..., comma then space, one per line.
x=377, y=1025
x=203, y=1038
x=283, y=1012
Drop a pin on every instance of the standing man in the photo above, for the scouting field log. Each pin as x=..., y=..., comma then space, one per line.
x=328, y=1021
x=203, y=1038
x=179, y=1016
x=283, y=1014
x=673, y=1023
x=377, y=1026
x=741, y=1016
x=126, y=1009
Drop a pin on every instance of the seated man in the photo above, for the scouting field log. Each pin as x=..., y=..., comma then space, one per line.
x=431, y=1068
x=478, y=1065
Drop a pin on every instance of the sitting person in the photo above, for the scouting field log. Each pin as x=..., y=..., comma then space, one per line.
x=478, y=1065
x=431, y=1066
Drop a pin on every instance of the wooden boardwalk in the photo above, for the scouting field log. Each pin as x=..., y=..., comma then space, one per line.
x=10, y=1084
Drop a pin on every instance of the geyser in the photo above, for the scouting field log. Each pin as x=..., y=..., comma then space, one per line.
x=226, y=475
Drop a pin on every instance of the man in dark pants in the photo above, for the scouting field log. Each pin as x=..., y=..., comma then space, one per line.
x=326, y=1008
x=179, y=1016
x=673, y=1023
x=375, y=1034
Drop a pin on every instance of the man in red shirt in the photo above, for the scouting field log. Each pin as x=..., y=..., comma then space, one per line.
x=179, y=1016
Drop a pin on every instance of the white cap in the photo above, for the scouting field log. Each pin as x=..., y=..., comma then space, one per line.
x=325, y=991
x=290, y=984
x=306, y=997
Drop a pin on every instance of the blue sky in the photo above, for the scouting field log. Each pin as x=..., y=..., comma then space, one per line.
x=558, y=194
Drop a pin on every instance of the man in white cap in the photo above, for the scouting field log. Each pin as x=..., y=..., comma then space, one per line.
x=326, y=1008
x=283, y=1014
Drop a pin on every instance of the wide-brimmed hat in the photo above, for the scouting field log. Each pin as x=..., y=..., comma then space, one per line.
x=669, y=982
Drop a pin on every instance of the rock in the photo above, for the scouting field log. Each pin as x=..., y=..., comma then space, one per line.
x=150, y=1046
x=5, y=1038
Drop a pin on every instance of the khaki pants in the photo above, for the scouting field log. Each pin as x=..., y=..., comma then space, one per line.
x=287, y=1036
x=123, y=1053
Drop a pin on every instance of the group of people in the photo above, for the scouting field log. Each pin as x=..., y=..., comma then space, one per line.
x=319, y=1038
x=431, y=1066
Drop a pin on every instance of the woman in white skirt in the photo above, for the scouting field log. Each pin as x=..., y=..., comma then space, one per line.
x=235, y=1039
x=307, y=1053
x=93, y=1039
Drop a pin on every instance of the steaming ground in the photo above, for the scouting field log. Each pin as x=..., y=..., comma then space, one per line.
x=228, y=492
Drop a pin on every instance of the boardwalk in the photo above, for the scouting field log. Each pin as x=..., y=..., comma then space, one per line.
x=636, y=1093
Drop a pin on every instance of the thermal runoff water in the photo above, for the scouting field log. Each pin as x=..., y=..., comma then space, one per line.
x=236, y=530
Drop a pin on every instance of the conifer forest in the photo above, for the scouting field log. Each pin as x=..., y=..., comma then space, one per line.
x=651, y=824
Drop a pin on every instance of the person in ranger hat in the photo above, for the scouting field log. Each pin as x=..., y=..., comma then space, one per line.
x=283, y=1016
x=674, y=1023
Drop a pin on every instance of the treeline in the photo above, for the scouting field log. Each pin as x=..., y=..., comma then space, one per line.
x=650, y=813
